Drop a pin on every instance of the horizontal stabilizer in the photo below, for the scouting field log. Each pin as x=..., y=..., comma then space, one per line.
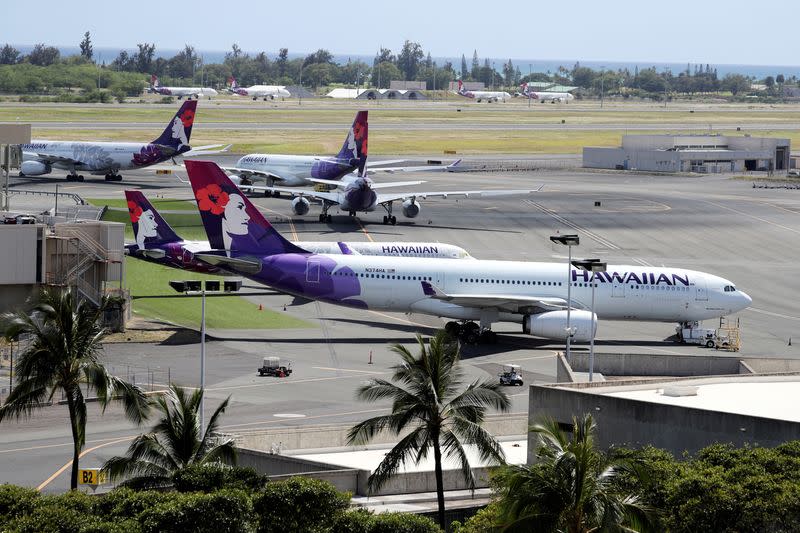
x=244, y=265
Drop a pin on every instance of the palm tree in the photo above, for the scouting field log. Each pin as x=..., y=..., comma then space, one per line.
x=174, y=443
x=429, y=401
x=63, y=354
x=570, y=487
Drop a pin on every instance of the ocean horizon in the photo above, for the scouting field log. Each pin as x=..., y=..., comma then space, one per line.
x=108, y=54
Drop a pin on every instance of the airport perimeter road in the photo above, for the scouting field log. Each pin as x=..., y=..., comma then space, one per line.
x=711, y=223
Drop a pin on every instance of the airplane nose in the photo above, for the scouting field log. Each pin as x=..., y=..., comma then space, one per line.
x=745, y=300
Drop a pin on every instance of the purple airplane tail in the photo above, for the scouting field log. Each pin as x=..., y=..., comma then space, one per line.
x=149, y=227
x=354, y=149
x=231, y=221
x=179, y=130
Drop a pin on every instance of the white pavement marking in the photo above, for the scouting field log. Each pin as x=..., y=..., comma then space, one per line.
x=770, y=313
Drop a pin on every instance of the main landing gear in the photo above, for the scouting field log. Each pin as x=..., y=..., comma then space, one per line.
x=389, y=219
x=470, y=333
x=324, y=216
x=73, y=176
x=113, y=177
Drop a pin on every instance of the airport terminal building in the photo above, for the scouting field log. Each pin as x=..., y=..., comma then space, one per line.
x=692, y=153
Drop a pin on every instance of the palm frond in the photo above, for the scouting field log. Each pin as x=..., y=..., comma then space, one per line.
x=408, y=445
x=453, y=449
x=210, y=429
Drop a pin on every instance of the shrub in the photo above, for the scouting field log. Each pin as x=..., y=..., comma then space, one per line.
x=484, y=521
x=358, y=521
x=298, y=504
x=219, y=512
x=16, y=501
x=403, y=523
x=67, y=513
x=210, y=477
x=126, y=503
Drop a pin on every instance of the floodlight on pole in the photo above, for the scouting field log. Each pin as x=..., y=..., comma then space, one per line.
x=569, y=241
x=193, y=287
x=594, y=266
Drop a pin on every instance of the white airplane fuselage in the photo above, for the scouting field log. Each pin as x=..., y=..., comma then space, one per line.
x=263, y=91
x=624, y=292
x=550, y=97
x=180, y=92
x=295, y=170
x=95, y=157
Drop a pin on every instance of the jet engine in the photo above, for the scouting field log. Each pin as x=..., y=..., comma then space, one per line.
x=410, y=208
x=300, y=206
x=553, y=325
x=34, y=168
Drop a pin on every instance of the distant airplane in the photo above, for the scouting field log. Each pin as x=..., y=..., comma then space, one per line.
x=41, y=157
x=479, y=96
x=533, y=295
x=279, y=170
x=259, y=91
x=180, y=92
x=157, y=242
x=544, y=96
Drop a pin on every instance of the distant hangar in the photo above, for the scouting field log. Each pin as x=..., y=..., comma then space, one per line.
x=375, y=94
x=692, y=153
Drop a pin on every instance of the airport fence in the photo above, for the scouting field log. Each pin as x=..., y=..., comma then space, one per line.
x=511, y=165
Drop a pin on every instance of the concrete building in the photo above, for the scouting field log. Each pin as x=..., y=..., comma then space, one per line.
x=86, y=256
x=375, y=94
x=692, y=153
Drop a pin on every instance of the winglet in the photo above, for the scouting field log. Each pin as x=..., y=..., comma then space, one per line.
x=344, y=248
x=454, y=166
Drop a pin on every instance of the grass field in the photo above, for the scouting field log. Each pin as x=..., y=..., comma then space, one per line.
x=162, y=204
x=148, y=281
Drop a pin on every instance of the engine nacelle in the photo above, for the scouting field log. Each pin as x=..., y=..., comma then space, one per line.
x=34, y=168
x=300, y=206
x=410, y=208
x=553, y=325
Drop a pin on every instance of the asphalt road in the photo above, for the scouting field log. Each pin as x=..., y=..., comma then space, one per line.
x=711, y=223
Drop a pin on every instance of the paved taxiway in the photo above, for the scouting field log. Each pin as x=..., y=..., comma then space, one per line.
x=709, y=223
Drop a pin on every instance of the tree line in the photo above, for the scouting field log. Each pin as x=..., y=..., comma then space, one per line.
x=318, y=69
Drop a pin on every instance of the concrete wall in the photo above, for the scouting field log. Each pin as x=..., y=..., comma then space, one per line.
x=321, y=437
x=19, y=258
x=636, y=423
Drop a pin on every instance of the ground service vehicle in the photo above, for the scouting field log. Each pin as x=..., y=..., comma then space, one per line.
x=511, y=375
x=271, y=366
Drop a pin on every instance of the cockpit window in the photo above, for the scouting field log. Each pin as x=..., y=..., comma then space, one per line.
x=729, y=288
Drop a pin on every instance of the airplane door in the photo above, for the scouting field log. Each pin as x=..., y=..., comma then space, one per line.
x=701, y=290
x=312, y=271
x=617, y=289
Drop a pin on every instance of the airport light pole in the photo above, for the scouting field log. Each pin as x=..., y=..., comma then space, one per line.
x=193, y=288
x=530, y=74
x=602, y=85
x=594, y=266
x=569, y=241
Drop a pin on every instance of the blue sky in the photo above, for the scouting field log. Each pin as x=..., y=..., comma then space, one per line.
x=717, y=32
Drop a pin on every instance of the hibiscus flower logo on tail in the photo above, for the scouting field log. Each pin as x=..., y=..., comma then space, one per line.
x=135, y=211
x=212, y=198
x=187, y=118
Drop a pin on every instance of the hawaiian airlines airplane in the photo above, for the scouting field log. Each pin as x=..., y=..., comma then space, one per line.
x=544, y=96
x=473, y=294
x=180, y=92
x=489, y=96
x=157, y=242
x=41, y=157
x=259, y=91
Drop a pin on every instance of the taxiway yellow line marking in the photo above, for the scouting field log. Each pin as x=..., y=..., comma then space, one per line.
x=360, y=225
x=291, y=223
x=84, y=452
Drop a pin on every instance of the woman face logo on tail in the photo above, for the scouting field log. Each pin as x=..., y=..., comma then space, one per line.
x=147, y=227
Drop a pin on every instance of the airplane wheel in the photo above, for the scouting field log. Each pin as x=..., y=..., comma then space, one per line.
x=267, y=194
x=276, y=194
x=393, y=220
x=385, y=220
x=321, y=217
x=329, y=219
x=452, y=328
x=471, y=337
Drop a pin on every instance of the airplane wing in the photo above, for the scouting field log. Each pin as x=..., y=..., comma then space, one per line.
x=373, y=186
x=331, y=197
x=452, y=167
x=207, y=150
x=504, y=302
x=250, y=173
x=230, y=262
x=485, y=193
x=50, y=158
